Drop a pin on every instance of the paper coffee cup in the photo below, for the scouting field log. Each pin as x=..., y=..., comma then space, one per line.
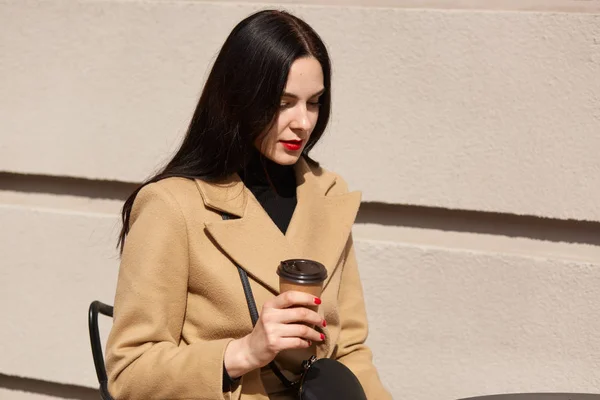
x=302, y=275
x=306, y=276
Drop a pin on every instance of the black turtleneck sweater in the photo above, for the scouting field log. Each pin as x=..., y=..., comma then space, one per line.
x=274, y=186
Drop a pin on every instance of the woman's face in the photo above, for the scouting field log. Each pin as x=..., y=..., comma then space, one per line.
x=298, y=113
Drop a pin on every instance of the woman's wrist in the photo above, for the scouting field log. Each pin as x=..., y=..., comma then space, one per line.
x=237, y=361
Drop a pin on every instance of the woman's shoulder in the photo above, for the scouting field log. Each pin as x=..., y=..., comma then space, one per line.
x=174, y=187
x=173, y=192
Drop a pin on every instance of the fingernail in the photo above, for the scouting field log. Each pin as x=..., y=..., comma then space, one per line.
x=309, y=343
x=322, y=337
x=324, y=323
x=317, y=300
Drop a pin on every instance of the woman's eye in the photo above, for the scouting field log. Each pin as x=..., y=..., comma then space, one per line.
x=284, y=105
x=314, y=104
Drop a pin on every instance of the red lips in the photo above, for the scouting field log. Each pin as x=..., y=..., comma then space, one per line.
x=292, y=145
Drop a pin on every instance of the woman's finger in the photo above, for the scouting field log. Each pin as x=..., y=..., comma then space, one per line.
x=293, y=298
x=288, y=343
x=299, y=331
x=298, y=314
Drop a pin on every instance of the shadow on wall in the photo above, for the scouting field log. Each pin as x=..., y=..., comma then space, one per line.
x=525, y=226
x=23, y=386
x=538, y=396
x=546, y=229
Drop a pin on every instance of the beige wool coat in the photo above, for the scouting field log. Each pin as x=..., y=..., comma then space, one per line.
x=179, y=298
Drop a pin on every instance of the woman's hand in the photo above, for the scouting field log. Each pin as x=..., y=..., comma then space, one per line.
x=280, y=326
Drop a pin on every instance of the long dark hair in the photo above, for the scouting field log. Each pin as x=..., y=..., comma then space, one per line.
x=241, y=98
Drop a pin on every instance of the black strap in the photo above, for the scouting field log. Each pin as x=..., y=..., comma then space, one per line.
x=254, y=316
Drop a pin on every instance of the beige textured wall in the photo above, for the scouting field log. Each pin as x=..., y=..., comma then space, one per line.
x=472, y=128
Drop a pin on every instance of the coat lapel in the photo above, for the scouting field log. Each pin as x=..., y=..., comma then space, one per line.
x=319, y=228
x=322, y=221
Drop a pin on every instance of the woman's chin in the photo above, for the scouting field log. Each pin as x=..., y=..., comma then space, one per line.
x=286, y=157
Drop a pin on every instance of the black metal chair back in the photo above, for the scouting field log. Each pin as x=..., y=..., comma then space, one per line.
x=96, y=308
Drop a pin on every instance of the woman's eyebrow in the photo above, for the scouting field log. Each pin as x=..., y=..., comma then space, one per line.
x=293, y=96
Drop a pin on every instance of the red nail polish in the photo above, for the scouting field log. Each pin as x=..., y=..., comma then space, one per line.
x=322, y=337
x=317, y=301
x=309, y=343
x=324, y=323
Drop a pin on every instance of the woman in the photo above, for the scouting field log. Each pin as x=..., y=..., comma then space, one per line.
x=182, y=329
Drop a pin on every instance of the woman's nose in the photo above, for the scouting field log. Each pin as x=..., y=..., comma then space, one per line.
x=301, y=120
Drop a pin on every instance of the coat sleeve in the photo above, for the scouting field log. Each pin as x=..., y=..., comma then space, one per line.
x=146, y=358
x=351, y=348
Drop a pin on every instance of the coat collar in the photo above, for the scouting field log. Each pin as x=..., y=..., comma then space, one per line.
x=231, y=196
x=319, y=228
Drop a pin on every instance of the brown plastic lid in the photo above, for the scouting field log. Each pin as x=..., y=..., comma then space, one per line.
x=302, y=271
